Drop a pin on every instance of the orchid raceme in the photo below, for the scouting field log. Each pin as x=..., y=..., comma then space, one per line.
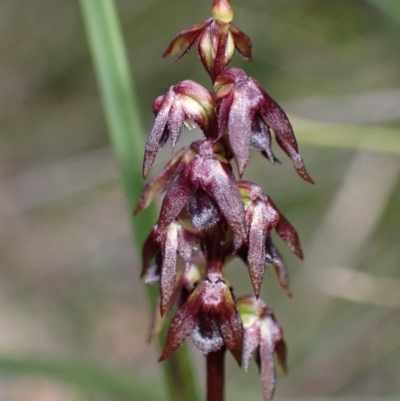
x=208, y=217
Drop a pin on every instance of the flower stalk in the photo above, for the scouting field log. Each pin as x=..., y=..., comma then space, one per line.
x=216, y=375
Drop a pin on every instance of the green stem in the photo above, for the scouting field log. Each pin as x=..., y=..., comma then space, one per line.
x=125, y=131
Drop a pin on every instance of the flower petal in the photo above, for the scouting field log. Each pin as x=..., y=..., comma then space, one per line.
x=246, y=101
x=203, y=211
x=277, y=120
x=223, y=113
x=206, y=335
x=176, y=198
x=181, y=325
x=281, y=354
x=295, y=158
x=242, y=42
x=261, y=140
x=175, y=121
x=185, y=38
x=226, y=48
x=207, y=49
x=251, y=341
x=168, y=268
x=153, y=274
x=256, y=254
x=197, y=103
x=149, y=251
x=160, y=181
x=273, y=257
x=195, y=113
x=153, y=141
x=185, y=244
x=268, y=379
x=216, y=178
x=288, y=233
x=197, y=92
x=230, y=325
x=239, y=128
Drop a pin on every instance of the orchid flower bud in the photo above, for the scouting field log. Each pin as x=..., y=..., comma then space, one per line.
x=222, y=10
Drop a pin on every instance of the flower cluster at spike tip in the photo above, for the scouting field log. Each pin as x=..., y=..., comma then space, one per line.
x=208, y=217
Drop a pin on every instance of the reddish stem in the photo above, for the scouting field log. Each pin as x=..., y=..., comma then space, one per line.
x=216, y=375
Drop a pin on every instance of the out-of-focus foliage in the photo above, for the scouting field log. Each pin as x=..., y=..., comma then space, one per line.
x=69, y=282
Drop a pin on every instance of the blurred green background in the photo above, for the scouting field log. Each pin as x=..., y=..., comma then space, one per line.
x=73, y=316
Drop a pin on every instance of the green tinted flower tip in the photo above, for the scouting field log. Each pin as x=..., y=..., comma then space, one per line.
x=222, y=10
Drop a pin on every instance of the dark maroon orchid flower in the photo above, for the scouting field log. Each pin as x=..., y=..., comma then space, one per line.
x=248, y=114
x=210, y=317
x=262, y=217
x=162, y=180
x=187, y=277
x=216, y=38
x=263, y=337
x=165, y=246
x=208, y=178
x=185, y=103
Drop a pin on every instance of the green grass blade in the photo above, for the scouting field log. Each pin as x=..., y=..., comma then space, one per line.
x=125, y=131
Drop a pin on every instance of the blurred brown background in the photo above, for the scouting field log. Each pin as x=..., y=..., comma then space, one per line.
x=73, y=317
